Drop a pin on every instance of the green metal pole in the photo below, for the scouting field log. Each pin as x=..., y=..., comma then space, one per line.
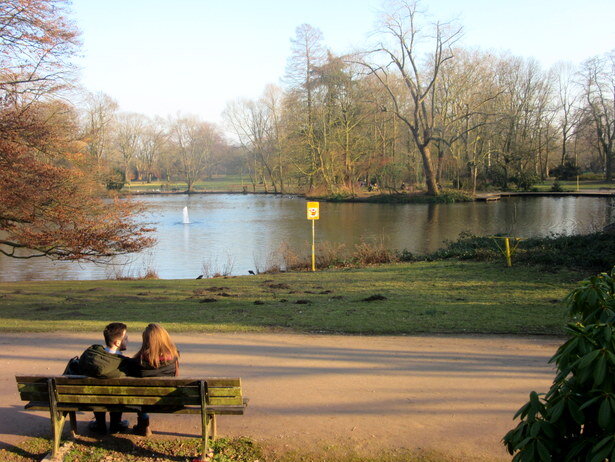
x=508, y=259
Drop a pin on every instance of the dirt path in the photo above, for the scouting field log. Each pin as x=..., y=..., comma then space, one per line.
x=453, y=394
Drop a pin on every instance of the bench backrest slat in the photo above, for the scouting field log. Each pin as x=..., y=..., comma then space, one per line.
x=127, y=400
x=127, y=391
x=132, y=391
x=153, y=381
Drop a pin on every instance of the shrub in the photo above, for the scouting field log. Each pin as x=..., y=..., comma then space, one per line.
x=122, y=273
x=446, y=196
x=450, y=196
x=290, y=259
x=556, y=186
x=151, y=273
x=405, y=255
x=331, y=255
x=595, y=252
x=566, y=171
x=115, y=180
x=467, y=247
x=328, y=255
x=575, y=420
x=498, y=177
x=525, y=180
x=370, y=253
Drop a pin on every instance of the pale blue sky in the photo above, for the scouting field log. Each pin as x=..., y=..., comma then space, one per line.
x=160, y=57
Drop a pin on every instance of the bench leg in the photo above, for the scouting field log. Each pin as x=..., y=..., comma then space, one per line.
x=213, y=427
x=57, y=418
x=205, y=434
x=57, y=425
x=73, y=423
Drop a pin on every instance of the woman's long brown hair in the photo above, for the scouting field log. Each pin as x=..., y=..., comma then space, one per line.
x=157, y=346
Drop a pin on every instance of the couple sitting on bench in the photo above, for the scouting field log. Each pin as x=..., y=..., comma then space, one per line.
x=157, y=357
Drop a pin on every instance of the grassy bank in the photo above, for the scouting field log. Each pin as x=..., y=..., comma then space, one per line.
x=404, y=298
x=218, y=183
x=236, y=184
x=447, y=196
x=121, y=448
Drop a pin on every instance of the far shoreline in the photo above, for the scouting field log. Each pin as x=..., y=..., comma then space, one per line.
x=393, y=198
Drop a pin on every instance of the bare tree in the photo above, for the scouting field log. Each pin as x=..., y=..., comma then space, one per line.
x=401, y=56
x=465, y=94
x=252, y=122
x=307, y=53
x=153, y=139
x=128, y=139
x=194, y=143
x=98, y=124
x=598, y=79
x=567, y=101
x=272, y=99
x=518, y=134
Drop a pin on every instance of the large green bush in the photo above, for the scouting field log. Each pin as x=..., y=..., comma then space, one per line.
x=575, y=420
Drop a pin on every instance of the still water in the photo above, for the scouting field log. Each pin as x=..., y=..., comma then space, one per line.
x=237, y=233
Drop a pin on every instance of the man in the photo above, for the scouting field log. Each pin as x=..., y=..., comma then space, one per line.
x=107, y=362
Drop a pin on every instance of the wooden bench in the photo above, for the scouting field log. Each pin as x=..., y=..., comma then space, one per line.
x=65, y=395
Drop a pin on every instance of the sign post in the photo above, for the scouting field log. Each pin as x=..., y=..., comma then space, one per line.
x=313, y=214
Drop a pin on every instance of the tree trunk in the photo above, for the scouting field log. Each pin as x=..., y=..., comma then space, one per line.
x=430, y=175
x=609, y=164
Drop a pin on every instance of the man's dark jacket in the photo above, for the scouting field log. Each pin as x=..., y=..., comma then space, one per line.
x=96, y=362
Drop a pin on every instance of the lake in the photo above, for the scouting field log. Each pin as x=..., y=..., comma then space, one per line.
x=238, y=233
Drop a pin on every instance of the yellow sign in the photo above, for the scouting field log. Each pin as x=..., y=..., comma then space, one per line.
x=313, y=210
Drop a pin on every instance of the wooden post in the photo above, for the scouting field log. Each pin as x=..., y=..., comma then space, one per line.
x=508, y=254
x=204, y=422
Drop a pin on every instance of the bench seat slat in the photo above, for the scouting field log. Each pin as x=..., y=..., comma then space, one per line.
x=220, y=410
x=237, y=410
x=34, y=397
x=103, y=394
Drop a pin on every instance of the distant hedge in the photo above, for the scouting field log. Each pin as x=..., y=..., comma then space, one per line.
x=595, y=252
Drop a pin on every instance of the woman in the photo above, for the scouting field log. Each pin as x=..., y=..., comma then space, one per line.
x=158, y=357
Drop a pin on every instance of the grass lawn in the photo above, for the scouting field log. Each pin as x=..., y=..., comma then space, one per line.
x=572, y=185
x=223, y=183
x=425, y=297
x=127, y=448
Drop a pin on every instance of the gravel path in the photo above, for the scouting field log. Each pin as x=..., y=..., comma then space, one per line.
x=455, y=394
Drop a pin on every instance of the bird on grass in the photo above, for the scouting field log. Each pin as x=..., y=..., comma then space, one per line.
x=251, y=272
x=200, y=276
